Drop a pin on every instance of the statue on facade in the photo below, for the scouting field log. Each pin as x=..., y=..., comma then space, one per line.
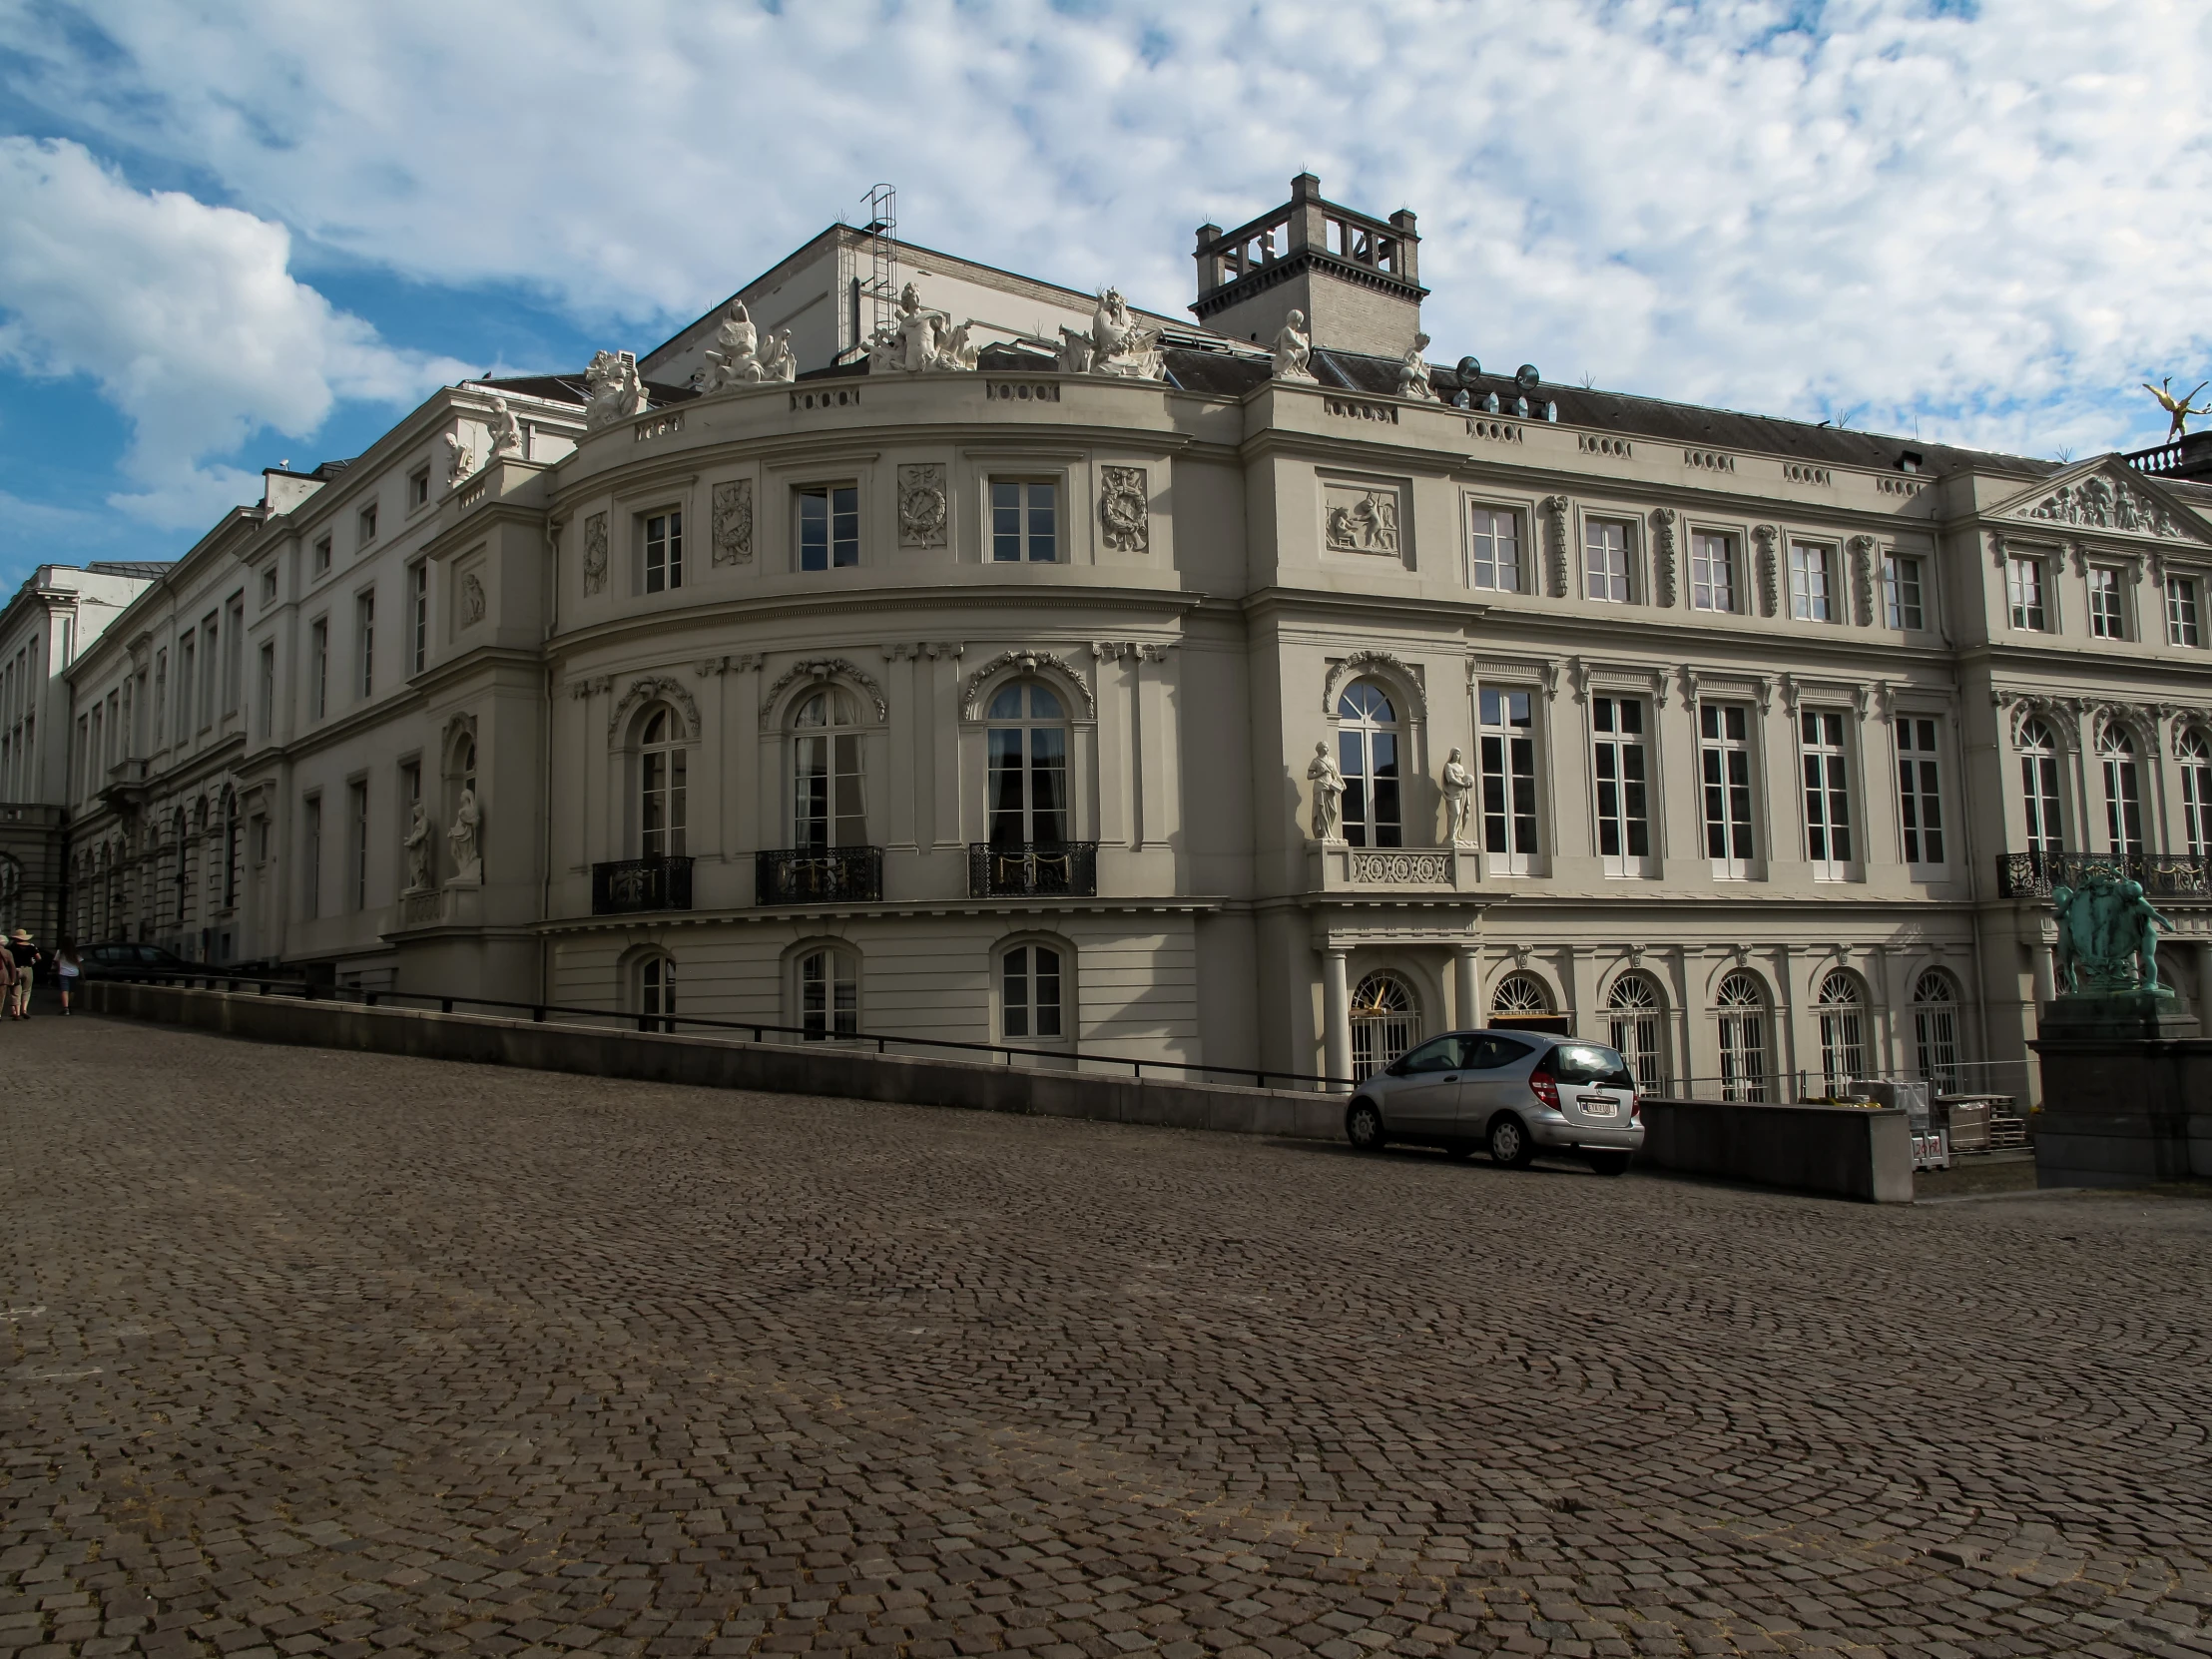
x=914, y=333
x=1329, y=793
x=1119, y=345
x=2107, y=933
x=506, y=431
x=617, y=392
x=955, y=351
x=1412, y=374
x=1293, y=351
x=418, y=849
x=2180, y=409
x=780, y=361
x=733, y=357
x=467, y=819
x=461, y=460
x=1459, y=797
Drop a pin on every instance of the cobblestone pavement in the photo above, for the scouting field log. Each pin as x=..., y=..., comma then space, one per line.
x=322, y=1354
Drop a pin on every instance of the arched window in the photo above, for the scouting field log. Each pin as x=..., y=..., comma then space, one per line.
x=828, y=807
x=1029, y=983
x=1935, y=1030
x=1842, y=1009
x=2195, y=755
x=1384, y=1022
x=1519, y=996
x=1635, y=1021
x=829, y=994
x=656, y=993
x=661, y=785
x=1028, y=755
x=2124, y=803
x=229, y=848
x=1367, y=738
x=2040, y=789
x=1741, y=1011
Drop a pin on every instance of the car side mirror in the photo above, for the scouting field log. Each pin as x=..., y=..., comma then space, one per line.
x=1396, y=1068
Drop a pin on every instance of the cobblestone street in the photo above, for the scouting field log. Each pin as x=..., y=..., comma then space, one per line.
x=323, y=1354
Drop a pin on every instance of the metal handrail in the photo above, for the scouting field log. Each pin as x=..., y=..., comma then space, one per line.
x=666, y=1023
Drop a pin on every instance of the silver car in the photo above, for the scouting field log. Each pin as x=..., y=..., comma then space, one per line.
x=1515, y=1092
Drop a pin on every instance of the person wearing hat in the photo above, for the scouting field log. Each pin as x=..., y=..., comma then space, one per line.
x=26, y=958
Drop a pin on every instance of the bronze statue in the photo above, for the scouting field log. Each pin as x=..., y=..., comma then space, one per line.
x=2182, y=409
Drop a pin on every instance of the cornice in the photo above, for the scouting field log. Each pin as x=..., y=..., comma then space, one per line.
x=811, y=914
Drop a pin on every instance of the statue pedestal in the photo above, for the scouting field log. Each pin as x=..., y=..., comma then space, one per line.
x=2127, y=1092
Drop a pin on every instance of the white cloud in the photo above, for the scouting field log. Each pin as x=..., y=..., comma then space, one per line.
x=188, y=317
x=1994, y=216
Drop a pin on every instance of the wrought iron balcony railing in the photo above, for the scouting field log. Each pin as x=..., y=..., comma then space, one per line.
x=1057, y=868
x=630, y=886
x=818, y=875
x=2163, y=875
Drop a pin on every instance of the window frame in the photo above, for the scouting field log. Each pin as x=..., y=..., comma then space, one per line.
x=319, y=666
x=418, y=615
x=2107, y=589
x=1729, y=584
x=2195, y=765
x=838, y=740
x=2120, y=765
x=1919, y=739
x=1842, y=1022
x=838, y=1016
x=321, y=556
x=310, y=854
x=2027, y=592
x=1740, y=1016
x=1830, y=842
x=1361, y=739
x=1808, y=559
x=418, y=487
x=365, y=526
x=2184, y=614
x=1510, y=798
x=1621, y=765
x=1029, y=724
x=2043, y=788
x=364, y=644
x=659, y=533
x=662, y=793
x=1720, y=790
x=1024, y=1025
x=1593, y=524
x=1898, y=613
x=357, y=844
x=1486, y=533
x=1024, y=510
x=828, y=493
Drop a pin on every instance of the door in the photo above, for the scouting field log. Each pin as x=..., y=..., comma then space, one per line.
x=1423, y=1093
x=1494, y=1076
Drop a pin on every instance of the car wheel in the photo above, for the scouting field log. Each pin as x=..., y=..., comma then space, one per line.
x=1363, y=1126
x=1608, y=1162
x=1509, y=1142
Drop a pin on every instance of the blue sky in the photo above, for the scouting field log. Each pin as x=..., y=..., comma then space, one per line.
x=262, y=235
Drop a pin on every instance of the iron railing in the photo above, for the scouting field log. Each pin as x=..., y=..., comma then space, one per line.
x=818, y=875
x=630, y=886
x=2163, y=875
x=1056, y=869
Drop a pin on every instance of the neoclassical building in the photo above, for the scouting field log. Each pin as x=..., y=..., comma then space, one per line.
x=908, y=647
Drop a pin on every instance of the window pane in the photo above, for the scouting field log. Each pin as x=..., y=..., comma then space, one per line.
x=845, y=525
x=1043, y=517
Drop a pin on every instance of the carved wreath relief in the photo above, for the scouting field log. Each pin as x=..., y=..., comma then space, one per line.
x=921, y=506
x=1362, y=520
x=733, y=507
x=1124, y=510
x=595, y=552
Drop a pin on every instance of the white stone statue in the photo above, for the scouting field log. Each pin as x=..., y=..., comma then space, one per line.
x=468, y=860
x=1329, y=793
x=914, y=333
x=617, y=393
x=1119, y=345
x=733, y=359
x=461, y=460
x=1458, y=797
x=418, y=849
x=780, y=361
x=1294, y=349
x=506, y=431
x=956, y=351
x=1412, y=374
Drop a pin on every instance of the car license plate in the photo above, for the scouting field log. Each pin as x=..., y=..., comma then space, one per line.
x=1597, y=1105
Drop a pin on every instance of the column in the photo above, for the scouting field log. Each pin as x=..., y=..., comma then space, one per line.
x=1466, y=985
x=2046, y=971
x=1335, y=1012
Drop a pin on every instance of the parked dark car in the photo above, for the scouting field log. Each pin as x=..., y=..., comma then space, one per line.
x=110, y=962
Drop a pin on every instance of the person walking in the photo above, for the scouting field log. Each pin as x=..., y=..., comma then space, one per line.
x=68, y=969
x=28, y=960
x=8, y=971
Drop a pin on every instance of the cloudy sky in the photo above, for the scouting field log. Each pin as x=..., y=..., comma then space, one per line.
x=260, y=230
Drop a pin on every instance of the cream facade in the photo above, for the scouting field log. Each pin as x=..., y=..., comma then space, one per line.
x=1065, y=679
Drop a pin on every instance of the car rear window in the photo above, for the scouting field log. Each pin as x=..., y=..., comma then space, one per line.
x=1590, y=1063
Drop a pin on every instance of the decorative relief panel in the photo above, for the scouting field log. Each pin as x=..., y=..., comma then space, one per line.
x=1028, y=661
x=472, y=600
x=1761, y=537
x=733, y=526
x=595, y=552
x=1662, y=554
x=1555, y=514
x=1125, y=510
x=1862, y=579
x=1393, y=668
x=2106, y=503
x=645, y=690
x=822, y=668
x=922, y=511
x=1360, y=519
x=1402, y=869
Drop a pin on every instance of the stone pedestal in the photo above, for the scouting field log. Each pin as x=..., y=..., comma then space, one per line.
x=2127, y=1092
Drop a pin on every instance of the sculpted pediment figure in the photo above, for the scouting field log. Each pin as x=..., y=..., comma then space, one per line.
x=2106, y=495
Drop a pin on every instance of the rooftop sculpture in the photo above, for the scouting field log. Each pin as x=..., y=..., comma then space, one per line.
x=2108, y=935
x=2180, y=409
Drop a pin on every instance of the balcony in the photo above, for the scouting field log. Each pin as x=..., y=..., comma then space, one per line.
x=630, y=886
x=1057, y=870
x=818, y=875
x=1337, y=867
x=2163, y=875
x=126, y=785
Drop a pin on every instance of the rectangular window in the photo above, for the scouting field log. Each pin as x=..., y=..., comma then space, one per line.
x=1723, y=765
x=829, y=809
x=1711, y=571
x=1508, y=781
x=1827, y=793
x=259, y=842
x=365, y=643
x=2024, y=582
x=1919, y=792
x=1900, y=592
x=356, y=845
x=2181, y=610
x=234, y=657
x=211, y=663
x=321, y=554
x=1623, y=812
x=418, y=486
x=1494, y=542
x=664, y=552
x=1605, y=560
x=268, y=587
x=1030, y=988
x=1811, y=582
x=318, y=667
x=2105, y=620
x=310, y=855
x=184, y=677
x=829, y=526
x=269, y=689
x=1024, y=522
x=367, y=525
x=418, y=615
x=161, y=693
x=2195, y=757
